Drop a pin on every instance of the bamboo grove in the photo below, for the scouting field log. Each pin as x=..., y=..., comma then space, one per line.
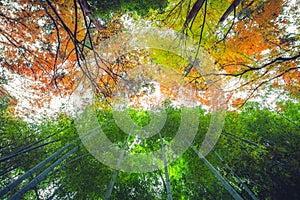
x=62, y=46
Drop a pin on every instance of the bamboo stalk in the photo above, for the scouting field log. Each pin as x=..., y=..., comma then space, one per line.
x=227, y=186
x=36, y=168
x=41, y=176
x=168, y=184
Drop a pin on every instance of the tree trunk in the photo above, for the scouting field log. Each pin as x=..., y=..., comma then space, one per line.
x=233, y=5
x=193, y=12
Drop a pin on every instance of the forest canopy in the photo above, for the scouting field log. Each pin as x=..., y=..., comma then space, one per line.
x=207, y=89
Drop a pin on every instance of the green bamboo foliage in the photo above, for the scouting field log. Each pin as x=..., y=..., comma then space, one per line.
x=241, y=147
x=35, y=169
x=42, y=176
x=114, y=178
x=26, y=150
x=167, y=182
x=239, y=179
x=226, y=185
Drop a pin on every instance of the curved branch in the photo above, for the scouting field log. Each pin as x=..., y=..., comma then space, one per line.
x=193, y=12
x=231, y=8
x=278, y=59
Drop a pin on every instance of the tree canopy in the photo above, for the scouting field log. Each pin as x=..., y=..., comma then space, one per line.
x=224, y=74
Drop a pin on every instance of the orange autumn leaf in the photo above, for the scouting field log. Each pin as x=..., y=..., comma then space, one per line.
x=237, y=102
x=36, y=48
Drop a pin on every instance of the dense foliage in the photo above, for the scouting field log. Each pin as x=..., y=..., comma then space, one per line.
x=54, y=49
x=258, y=148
